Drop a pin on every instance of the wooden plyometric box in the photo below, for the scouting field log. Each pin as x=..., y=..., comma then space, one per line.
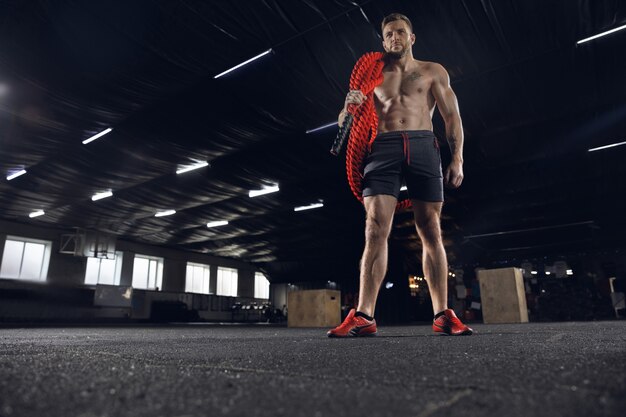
x=314, y=308
x=502, y=295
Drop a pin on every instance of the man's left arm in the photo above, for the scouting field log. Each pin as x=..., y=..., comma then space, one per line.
x=449, y=109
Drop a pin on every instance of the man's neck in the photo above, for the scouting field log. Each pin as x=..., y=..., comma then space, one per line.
x=400, y=64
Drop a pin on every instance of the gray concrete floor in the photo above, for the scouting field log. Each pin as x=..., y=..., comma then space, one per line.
x=555, y=369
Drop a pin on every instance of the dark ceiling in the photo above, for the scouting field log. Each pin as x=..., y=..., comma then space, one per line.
x=532, y=103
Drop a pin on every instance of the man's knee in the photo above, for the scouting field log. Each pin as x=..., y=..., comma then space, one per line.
x=429, y=229
x=375, y=230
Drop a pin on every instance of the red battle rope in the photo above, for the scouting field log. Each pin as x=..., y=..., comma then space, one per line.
x=366, y=75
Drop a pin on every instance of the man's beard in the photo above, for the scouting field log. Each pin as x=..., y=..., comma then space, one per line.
x=397, y=55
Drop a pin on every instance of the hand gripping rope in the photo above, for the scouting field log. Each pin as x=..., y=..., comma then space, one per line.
x=361, y=123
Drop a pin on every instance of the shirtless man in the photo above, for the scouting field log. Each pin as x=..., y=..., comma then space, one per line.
x=406, y=149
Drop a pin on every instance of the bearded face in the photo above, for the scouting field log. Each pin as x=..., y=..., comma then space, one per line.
x=397, y=39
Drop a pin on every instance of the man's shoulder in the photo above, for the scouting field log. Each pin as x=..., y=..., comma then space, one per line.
x=430, y=66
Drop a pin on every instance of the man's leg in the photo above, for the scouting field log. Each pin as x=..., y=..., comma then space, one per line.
x=434, y=260
x=435, y=264
x=379, y=211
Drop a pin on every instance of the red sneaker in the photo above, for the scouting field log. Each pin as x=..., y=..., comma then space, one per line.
x=354, y=326
x=448, y=323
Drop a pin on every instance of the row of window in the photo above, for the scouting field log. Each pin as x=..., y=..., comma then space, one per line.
x=28, y=259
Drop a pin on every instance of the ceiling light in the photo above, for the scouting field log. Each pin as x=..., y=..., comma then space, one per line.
x=547, y=272
x=607, y=146
x=569, y=272
x=533, y=272
x=36, y=214
x=403, y=188
x=608, y=32
x=312, y=206
x=243, y=63
x=100, y=196
x=187, y=168
x=389, y=285
x=16, y=174
x=265, y=190
x=217, y=223
x=322, y=127
x=94, y=137
x=165, y=213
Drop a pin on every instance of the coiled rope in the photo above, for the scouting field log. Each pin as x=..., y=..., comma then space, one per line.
x=366, y=75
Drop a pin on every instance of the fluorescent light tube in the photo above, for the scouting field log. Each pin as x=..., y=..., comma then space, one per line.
x=94, y=137
x=187, y=168
x=607, y=146
x=312, y=206
x=599, y=35
x=322, y=127
x=36, y=214
x=243, y=63
x=15, y=175
x=264, y=190
x=100, y=196
x=165, y=213
x=217, y=223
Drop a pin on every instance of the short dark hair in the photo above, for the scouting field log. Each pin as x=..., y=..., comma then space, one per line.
x=392, y=18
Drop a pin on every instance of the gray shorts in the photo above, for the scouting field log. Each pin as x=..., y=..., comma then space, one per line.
x=411, y=156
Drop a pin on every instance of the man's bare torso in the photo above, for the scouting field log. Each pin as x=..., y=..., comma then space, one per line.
x=404, y=100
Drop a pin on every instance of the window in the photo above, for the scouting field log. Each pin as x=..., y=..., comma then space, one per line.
x=261, y=286
x=147, y=272
x=227, y=282
x=25, y=258
x=104, y=271
x=197, y=279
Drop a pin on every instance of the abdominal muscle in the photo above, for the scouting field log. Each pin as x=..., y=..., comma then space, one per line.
x=403, y=113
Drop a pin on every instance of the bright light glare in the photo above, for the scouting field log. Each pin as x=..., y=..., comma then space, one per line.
x=403, y=188
x=217, y=223
x=608, y=32
x=243, y=63
x=15, y=175
x=264, y=190
x=187, y=168
x=322, y=127
x=36, y=214
x=607, y=146
x=165, y=213
x=312, y=206
x=99, y=135
x=100, y=196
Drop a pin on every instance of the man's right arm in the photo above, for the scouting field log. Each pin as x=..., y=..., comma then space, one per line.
x=354, y=97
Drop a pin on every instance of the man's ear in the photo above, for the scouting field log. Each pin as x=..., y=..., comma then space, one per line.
x=412, y=38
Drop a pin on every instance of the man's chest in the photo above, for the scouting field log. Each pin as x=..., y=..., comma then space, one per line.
x=411, y=83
